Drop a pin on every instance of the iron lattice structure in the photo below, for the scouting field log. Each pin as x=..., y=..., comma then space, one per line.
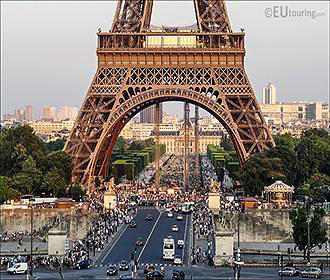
x=134, y=72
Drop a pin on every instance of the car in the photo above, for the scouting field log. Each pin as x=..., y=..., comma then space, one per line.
x=179, y=218
x=139, y=242
x=132, y=224
x=149, y=218
x=180, y=244
x=18, y=268
x=148, y=268
x=178, y=275
x=288, y=271
x=177, y=260
x=175, y=228
x=83, y=264
x=112, y=269
x=126, y=276
x=169, y=215
x=312, y=272
x=123, y=265
x=154, y=275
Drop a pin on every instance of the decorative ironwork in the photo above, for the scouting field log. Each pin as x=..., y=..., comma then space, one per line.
x=131, y=76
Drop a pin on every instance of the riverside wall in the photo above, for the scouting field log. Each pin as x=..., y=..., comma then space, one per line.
x=255, y=225
x=12, y=220
x=263, y=225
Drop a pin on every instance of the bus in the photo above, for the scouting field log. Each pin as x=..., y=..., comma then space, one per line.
x=168, y=248
x=187, y=207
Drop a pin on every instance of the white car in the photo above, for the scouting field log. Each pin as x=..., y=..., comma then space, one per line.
x=177, y=260
x=179, y=218
x=18, y=268
x=180, y=244
x=169, y=215
x=175, y=228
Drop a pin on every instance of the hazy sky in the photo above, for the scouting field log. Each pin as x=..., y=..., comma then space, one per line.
x=48, y=48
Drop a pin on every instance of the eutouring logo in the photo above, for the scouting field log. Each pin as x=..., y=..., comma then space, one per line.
x=286, y=12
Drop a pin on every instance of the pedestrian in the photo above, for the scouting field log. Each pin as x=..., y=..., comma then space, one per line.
x=61, y=272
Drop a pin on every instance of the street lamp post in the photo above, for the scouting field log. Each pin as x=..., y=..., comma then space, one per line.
x=31, y=200
x=309, y=220
x=238, y=253
x=308, y=239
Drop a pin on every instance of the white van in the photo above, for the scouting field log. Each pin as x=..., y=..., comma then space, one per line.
x=18, y=268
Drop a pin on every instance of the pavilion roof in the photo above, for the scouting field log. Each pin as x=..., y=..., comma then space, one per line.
x=279, y=186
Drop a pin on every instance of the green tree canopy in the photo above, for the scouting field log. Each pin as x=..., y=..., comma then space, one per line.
x=76, y=192
x=319, y=187
x=56, y=145
x=28, y=180
x=6, y=191
x=16, y=144
x=61, y=162
x=286, y=154
x=259, y=171
x=298, y=218
x=285, y=139
x=54, y=183
x=227, y=144
x=313, y=155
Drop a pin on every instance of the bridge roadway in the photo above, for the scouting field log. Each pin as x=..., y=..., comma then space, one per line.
x=152, y=232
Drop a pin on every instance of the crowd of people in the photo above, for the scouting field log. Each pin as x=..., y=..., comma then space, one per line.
x=128, y=196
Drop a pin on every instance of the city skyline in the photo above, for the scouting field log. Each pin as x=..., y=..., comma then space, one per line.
x=65, y=72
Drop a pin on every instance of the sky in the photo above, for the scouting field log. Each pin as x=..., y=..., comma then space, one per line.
x=48, y=49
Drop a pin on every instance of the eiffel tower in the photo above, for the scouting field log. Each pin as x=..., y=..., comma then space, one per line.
x=139, y=67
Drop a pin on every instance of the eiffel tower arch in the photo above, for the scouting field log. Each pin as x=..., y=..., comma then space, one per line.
x=138, y=67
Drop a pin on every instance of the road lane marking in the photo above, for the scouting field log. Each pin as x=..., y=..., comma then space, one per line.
x=184, y=238
x=118, y=237
x=113, y=245
x=145, y=244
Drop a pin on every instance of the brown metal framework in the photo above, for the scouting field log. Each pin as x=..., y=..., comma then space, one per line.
x=157, y=159
x=186, y=121
x=196, y=167
x=133, y=75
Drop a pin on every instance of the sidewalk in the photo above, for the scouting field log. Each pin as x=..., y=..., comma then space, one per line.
x=9, y=248
x=101, y=254
x=274, y=248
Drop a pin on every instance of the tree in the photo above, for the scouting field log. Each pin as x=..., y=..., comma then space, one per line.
x=121, y=145
x=136, y=146
x=285, y=139
x=61, y=162
x=16, y=144
x=6, y=192
x=56, y=145
x=298, y=218
x=227, y=144
x=260, y=171
x=28, y=180
x=319, y=187
x=315, y=132
x=76, y=192
x=285, y=152
x=54, y=183
x=313, y=155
